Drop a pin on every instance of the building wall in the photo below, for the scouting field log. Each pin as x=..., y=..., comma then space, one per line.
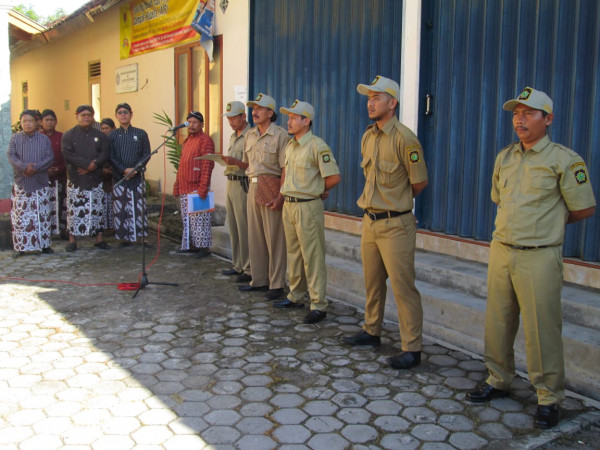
x=57, y=75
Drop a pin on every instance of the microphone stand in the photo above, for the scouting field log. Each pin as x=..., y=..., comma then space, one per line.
x=141, y=169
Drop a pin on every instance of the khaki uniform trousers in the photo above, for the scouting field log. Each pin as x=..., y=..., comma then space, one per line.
x=529, y=282
x=304, y=225
x=266, y=242
x=237, y=220
x=388, y=249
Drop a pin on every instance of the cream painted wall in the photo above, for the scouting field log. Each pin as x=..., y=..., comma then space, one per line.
x=156, y=92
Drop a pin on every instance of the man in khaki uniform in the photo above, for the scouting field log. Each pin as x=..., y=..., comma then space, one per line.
x=395, y=173
x=310, y=173
x=236, y=196
x=539, y=187
x=264, y=157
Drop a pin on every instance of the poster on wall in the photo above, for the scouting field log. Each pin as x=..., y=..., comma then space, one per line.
x=148, y=25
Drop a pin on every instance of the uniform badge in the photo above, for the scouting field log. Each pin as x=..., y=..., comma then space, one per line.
x=135, y=138
x=375, y=80
x=228, y=107
x=581, y=176
x=525, y=94
x=326, y=158
x=414, y=157
x=95, y=139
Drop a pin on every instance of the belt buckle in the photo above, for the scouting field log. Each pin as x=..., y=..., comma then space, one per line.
x=372, y=216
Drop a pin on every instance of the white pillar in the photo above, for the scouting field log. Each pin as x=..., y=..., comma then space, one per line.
x=5, y=87
x=410, y=62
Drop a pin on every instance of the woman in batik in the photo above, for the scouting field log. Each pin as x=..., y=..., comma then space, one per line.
x=30, y=154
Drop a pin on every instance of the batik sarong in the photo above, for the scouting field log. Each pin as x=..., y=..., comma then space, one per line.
x=58, y=215
x=85, y=213
x=30, y=217
x=128, y=209
x=196, y=227
x=108, y=215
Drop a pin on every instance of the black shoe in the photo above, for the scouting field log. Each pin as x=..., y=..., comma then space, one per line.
x=243, y=278
x=363, y=338
x=71, y=247
x=124, y=244
x=274, y=294
x=287, y=303
x=16, y=255
x=248, y=288
x=315, y=316
x=486, y=392
x=202, y=253
x=47, y=251
x=405, y=360
x=229, y=272
x=546, y=416
x=102, y=245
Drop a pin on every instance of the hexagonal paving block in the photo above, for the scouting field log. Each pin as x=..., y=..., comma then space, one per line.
x=289, y=416
x=329, y=441
x=291, y=434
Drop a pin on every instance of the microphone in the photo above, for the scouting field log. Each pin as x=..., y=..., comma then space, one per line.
x=184, y=124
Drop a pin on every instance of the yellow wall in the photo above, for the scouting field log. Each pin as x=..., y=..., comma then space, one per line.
x=58, y=71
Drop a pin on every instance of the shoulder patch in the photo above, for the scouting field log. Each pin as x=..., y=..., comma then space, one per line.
x=326, y=157
x=413, y=155
x=581, y=176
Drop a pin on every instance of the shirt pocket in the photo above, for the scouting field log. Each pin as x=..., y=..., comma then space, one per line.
x=269, y=156
x=390, y=173
x=302, y=172
x=365, y=165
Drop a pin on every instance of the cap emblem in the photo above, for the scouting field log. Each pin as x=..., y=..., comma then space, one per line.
x=525, y=94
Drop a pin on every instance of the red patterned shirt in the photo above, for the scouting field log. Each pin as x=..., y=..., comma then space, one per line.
x=194, y=175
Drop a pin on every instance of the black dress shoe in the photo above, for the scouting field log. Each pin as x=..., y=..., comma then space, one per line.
x=287, y=303
x=47, y=251
x=274, y=294
x=248, y=288
x=363, y=338
x=315, y=316
x=486, y=392
x=546, y=416
x=103, y=245
x=405, y=360
x=243, y=278
x=229, y=272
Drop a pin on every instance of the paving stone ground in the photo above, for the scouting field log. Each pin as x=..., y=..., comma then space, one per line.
x=202, y=365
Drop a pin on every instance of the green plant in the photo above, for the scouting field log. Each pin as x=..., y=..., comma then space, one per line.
x=174, y=147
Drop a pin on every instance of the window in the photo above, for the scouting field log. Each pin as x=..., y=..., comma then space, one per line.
x=94, y=72
x=198, y=87
x=25, y=94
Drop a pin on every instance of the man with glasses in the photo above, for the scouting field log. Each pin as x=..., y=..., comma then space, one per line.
x=128, y=146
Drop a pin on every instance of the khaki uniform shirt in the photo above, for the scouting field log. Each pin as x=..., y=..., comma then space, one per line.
x=265, y=154
x=236, y=150
x=392, y=161
x=308, y=162
x=535, y=190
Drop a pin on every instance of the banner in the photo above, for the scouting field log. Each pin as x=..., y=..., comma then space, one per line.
x=203, y=23
x=148, y=25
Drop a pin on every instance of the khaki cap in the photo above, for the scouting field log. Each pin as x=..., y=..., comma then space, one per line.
x=380, y=84
x=234, y=109
x=300, y=108
x=533, y=98
x=263, y=100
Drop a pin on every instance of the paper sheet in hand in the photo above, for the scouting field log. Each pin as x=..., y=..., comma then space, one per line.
x=216, y=157
x=198, y=205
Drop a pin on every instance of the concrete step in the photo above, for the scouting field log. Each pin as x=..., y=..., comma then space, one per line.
x=453, y=293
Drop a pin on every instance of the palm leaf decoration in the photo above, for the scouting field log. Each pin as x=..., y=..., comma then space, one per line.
x=173, y=146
